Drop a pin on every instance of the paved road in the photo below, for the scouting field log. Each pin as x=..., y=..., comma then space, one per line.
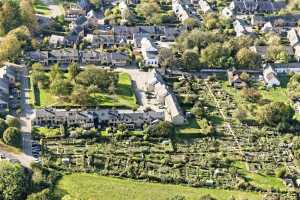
x=25, y=157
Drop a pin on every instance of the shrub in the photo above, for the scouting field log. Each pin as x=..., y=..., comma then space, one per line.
x=12, y=136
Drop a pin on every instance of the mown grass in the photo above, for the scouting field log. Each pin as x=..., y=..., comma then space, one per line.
x=93, y=187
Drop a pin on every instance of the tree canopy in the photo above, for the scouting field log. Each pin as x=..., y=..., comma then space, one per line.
x=14, y=181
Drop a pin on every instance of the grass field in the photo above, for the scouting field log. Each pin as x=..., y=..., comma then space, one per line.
x=94, y=187
x=124, y=97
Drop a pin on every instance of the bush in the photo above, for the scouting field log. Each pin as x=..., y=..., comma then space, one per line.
x=43, y=195
x=12, y=136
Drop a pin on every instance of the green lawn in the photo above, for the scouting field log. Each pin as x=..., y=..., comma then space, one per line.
x=124, y=97
x=191, y=128
x=94, y=187
x=260, y=180
x=47, y=132
x=41, y=8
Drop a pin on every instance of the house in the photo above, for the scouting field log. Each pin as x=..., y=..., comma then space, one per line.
x=4, y=88
x=256, y=7
x=173, y=113
x=180, y=11
x=227, y=12
x=270, y=77
x=3, y=106
x=286, y=68
x=149, y=52
x=63, y=56
x=242, y=28
x=90, y=57
x=56, y=41
x=268, y=27
x=9, y=74
x=132, y=119
x=118, y=59
x=288, y=20
x=235, y=80
x=73, y=11
x=156, y=85
x=293, y=37
x=204, y=6
x=56, y=117
x=38, y=56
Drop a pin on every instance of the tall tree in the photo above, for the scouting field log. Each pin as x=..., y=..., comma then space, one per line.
x=9, y=16
x=73, y=71
x=13, y=181
x=28, y=14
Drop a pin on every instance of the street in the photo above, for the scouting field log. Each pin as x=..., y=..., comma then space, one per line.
x=25, y=157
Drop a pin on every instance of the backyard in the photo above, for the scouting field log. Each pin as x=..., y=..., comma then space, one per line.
x=91, y=186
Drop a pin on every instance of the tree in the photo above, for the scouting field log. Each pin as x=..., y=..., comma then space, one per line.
x=55, y=73
x=191, y=22
x=277, y=54
x=3, y=127
x=12, y=136
x=61, y=88
x=294, y=87
x=245, y=77
x=28, y=14
x=206, y=127
x=190, y=59
x=9, y=47
x=80, y=96
x=42, y=195
x=150, y=11
x=161, y=129
x=13, y=122
x=37, y=67
x=9, y=16
x=251, y=94
x=275, y=113
x=14, y=182
x=247, y=58
x=197, y=111
x=215, y=55
x=166, y=58
x=73, y=71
